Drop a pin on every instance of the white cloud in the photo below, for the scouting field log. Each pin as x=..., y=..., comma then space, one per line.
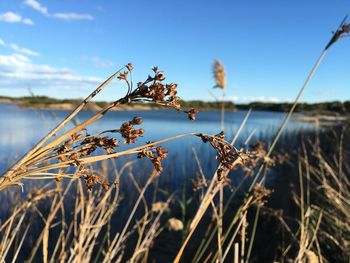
x=100, y=62
x=10, y=17
x=19, y=49
x=25, y=51
x=27, y=21
x=18, y=71
x=73, y=16
x=36, y=6
x=248, y=99
x=61, y=15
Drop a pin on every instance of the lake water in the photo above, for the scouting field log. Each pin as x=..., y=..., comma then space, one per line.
x=20, y=129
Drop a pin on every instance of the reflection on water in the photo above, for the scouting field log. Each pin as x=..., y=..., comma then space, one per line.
x=20, y=129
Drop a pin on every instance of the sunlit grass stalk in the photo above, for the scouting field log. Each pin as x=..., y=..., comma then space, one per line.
x=54, y=131
x=203, y=248
x=342, y=30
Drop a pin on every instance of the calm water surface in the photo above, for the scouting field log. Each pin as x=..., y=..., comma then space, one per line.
x=20, y=129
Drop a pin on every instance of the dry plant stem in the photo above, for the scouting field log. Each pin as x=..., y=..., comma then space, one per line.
x=122, y=234
x=87, y=160
x=211, y=192
x=221, y=193
x=234, y=236
x=198, y=256
x=283, y=125
x=220, y=221
x=236, y=253
x=243, y=123
x=243, y=236
x=223, y=110
x=241, y=210
x=76, y=129
x=93, y=159
x=59, y=126
x=288, y=116
x=14, y=259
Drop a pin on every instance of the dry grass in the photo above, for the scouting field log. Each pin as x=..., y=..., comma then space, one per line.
x=86, y=235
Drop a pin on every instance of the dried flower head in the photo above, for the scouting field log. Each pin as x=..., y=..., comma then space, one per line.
x=127, y=131
x=129, y=66
x=123, y=76
x=105, y=185
x=91, y=180
x=192, y=114
x=226, y=154
x=219, y=74
x=155, y=155
x=137, y=121
x=175, y=224
x=260, y=194
x=160, y=206
x=342, y=31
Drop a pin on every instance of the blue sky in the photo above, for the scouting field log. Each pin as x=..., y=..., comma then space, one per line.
x=66, y=48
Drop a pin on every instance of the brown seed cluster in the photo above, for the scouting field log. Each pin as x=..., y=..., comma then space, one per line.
x=152, y=90
x=341, y=32
x=261, y=194
x=155, y=155
x=199, y=182
x=90, y=144
x=90, y=178
x=128, y=132
x=79, y=146
x=192, y=114
x=226, y=154
x=258, y=156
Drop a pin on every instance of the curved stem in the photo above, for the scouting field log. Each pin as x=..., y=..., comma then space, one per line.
x=60, y=125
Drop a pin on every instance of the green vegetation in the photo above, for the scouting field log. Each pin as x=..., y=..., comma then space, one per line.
x=333, y=106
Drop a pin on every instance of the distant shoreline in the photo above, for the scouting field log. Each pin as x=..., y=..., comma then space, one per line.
x=71, y=106
x=46, y=103
x=323, y=114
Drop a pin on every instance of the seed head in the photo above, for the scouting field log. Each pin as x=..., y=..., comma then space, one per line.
x=219, y=74
x=192, y=114
x=129, y=66
x=137, y=121
x=105, y=186
x=175, y=224
x=342, y=31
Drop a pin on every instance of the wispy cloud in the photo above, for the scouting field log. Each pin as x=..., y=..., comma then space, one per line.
x=18, y=71
x=15, y=47
x=247, y=99
x=10, y=17
x=36, y=5
x=23, y=50
x=73, y=16
x=100, y=62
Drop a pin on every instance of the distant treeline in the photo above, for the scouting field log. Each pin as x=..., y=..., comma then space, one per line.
x=334, y=106
x=44, y=100
x=208, y=105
